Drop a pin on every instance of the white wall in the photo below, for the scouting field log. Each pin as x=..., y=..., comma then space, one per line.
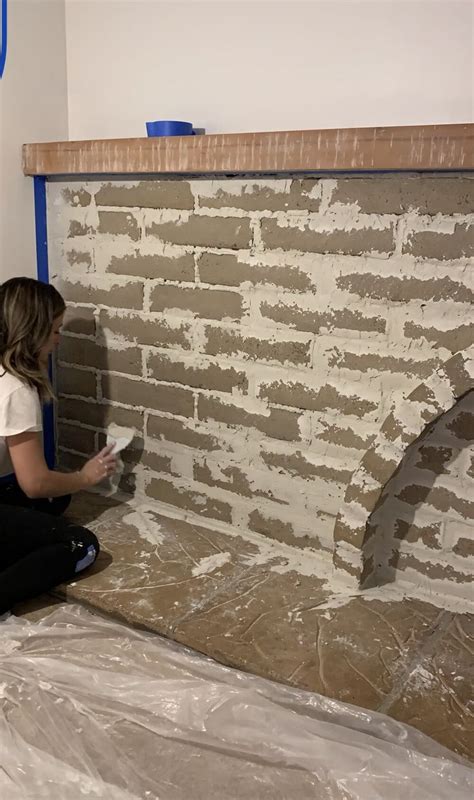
x=33, y=107
x=228, y=65
x=233, y=65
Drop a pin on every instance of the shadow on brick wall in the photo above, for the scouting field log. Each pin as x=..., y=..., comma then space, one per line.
x=86, y=407
x=424, y=517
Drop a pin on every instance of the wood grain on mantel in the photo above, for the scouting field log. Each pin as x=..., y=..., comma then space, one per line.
x=418, y=147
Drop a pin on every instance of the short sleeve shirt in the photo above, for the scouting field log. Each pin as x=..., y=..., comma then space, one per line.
x=20, y=412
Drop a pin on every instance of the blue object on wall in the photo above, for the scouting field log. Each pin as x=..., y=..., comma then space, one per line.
x=3, y=36
x=42, y=271
x=169, y=127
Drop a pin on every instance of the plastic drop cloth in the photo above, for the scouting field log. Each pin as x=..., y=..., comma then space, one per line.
x=93, y=709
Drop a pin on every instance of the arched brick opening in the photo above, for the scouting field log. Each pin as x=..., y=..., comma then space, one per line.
x=353, y=536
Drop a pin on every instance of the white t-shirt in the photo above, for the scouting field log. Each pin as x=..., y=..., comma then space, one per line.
x=20, y=411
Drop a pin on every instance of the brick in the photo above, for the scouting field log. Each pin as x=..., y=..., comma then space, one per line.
x=77, y=197
x=77, y=228
x=256, y=197
x=434, y=459
x=173, y=430
x=279, y=424
x=344, y=533
x=364, y=362
x=442, y=246
x=428, y=535
x=77, y=381
x=127, y=359
x=397, y=195
x=459, y=373
x=297, y=465
x=354, y=242
x=234, y=479
x=147, y=194
x=87, y=353
x=79, y=319
x=392, y=429
x=212, y=376
x=74, y=257
x=226, y=269
x=459, y=338
x=438, y=497
x=70, y=462
x=205, y=303
x=363, y=496
x=201, y=231
x=167, y=492
x=73, y=437
x=402, y=290
x=422, y=394
x=464, y=547
x=156, y=332
x=377, y=466
x=297, y=395
x=156, y=461
x=342, y=564
x=462, y=426
x=313, y=321
x=277, y=529
x=148, y=395
x=221, y=341
x=119, y=223
x=98, y=415
x=344, y=437
x=167, y=268
x=128, y=296
x=443, y=572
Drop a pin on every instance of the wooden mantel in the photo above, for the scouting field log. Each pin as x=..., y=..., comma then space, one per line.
x=418, y=147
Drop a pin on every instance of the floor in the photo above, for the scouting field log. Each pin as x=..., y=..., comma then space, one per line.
x=260, y=607
x=95, y=707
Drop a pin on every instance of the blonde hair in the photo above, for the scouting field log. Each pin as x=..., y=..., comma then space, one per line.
x=28, y=309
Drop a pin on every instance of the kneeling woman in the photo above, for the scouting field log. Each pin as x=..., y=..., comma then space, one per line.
x=37, y=549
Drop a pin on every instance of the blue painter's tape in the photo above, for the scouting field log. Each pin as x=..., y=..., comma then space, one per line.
x=3, y=36
x=42, y=271
x=41, y=229
x=169, y=127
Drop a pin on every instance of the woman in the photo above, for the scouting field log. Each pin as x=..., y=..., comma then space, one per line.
x=37, y=550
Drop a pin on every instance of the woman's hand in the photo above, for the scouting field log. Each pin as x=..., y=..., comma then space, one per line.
x=102, y=466
x=37, y=481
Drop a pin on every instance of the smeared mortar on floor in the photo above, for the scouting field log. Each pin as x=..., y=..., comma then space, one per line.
x=281, y=558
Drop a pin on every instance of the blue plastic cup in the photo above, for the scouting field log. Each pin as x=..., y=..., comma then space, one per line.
x=169, y=127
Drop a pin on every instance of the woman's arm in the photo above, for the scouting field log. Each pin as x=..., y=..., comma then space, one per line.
x=36, y=480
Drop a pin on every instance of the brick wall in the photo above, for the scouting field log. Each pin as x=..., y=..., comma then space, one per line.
x=257, y=332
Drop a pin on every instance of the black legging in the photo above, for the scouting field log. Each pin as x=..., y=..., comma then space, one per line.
x=38, y=550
